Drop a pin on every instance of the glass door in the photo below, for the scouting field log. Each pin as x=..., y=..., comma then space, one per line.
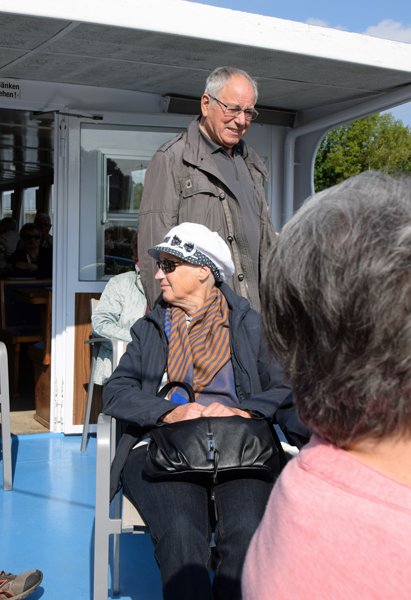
x=113, y=167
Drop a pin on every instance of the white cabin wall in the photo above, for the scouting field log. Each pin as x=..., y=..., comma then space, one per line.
x=268, y=142
x=43, y=96
x=277, y=175
x=306, y=148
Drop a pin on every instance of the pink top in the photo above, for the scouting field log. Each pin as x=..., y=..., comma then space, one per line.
x=334, y=529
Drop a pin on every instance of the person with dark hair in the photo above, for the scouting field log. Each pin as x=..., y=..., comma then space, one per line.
x=9, y=238
x=8, y=224
x=208, y=175
x=32, y=260
x=336, y=311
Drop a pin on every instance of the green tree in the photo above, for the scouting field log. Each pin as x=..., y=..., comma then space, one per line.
x=374, y=143
x=137, y=195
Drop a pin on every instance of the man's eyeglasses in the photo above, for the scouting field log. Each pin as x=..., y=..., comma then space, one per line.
x=168, y=266
x=233, y=111
x=34, y=236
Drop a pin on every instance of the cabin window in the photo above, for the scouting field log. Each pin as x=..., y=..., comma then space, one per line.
x=6, y=210
x=28, y=211
x=114, y=161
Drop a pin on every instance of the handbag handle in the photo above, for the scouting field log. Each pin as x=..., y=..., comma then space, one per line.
x=186, y=386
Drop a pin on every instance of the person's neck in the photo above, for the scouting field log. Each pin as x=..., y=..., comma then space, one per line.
x=194, y=303
x=33, y=252
x=391, y=456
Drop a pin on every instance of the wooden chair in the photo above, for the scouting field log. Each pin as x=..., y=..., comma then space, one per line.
x=40, y=354
x=5, y=419
x=20, y=322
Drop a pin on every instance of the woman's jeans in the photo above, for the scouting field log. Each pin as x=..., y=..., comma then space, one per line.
x=178, y=516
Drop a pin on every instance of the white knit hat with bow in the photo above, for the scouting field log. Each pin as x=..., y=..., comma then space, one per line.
x=196, y=244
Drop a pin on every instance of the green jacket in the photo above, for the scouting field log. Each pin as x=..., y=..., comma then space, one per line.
x=121, y=305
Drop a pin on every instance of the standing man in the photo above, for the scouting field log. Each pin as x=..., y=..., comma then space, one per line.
x=208, y=175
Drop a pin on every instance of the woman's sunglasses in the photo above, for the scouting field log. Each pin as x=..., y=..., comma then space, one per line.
x=34, y=236
x=168, y=266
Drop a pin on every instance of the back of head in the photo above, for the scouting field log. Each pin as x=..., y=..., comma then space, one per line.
x=8, y=224
x=221, y=75
x=336, y=308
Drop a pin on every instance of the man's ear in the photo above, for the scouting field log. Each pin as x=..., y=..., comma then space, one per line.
x=205, y=104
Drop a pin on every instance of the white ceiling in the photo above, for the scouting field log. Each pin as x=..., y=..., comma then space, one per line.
x=169, y=47
x=95, y=54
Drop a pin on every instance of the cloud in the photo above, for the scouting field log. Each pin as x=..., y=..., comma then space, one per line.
x=318, y=22
x=390, y=30
x=321, y=23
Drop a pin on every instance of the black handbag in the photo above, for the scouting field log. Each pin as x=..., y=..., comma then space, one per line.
x=207, y=447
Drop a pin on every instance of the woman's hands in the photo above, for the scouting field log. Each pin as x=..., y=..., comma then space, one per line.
x=193, y=410
x=26, y=266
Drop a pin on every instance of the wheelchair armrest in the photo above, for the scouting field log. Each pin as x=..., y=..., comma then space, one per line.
x=106, y=446
x=99, y=340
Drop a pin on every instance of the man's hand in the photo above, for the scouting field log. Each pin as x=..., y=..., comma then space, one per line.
x=26, y=266
x=49, y=239
x=193, y=410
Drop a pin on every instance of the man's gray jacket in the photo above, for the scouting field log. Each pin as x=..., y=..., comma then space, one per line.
x=183, y=184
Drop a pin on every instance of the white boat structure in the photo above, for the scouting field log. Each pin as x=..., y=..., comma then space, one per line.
x=85, y=85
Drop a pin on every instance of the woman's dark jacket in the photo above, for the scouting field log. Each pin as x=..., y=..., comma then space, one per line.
x=44, y=263
x=130, y=393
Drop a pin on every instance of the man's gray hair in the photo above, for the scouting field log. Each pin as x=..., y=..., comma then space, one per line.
x=336, y=305
x=220, y=76
x=41, y=216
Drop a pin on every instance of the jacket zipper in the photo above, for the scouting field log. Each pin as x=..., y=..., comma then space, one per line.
x=238, y=358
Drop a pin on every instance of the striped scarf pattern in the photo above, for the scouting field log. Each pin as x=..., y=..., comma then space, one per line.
x=199, y=351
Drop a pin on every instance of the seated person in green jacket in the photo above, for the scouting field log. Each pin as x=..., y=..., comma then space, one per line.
x=121, y=304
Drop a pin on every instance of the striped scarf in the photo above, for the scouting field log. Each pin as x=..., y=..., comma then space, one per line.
x=197, y=352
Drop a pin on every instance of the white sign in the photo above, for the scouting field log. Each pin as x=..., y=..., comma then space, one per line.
x=10, y=88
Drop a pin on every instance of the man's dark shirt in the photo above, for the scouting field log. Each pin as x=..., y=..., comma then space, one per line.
x=44, y=264
x=237, y=177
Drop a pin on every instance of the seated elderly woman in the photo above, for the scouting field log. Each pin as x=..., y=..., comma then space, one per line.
x=32, y=260
x=198, y=315
x=337, y=300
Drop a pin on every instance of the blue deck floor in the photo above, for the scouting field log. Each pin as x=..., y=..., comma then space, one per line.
x=47, y=523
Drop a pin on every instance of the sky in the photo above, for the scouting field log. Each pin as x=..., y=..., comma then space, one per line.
x=390, y=19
